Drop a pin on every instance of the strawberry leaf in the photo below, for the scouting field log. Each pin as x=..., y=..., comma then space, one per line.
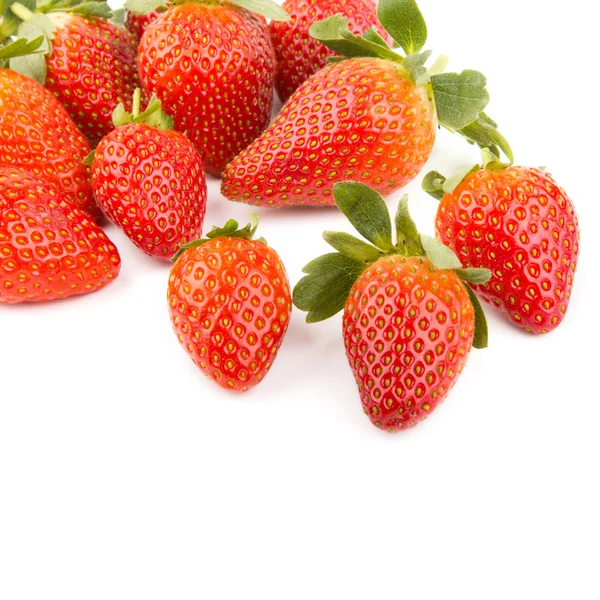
x=324, y=290
x=408, y=240
x=118, y=17
x=367, y=212
x=372, y=35
x=415, y=65
x=480, y=339
x=441, y=256
x=143, y=7
x=484, y=133
x=334, y=33
x=32, y=66
x=266, y=8
x=22, y=47
x=352, y=247
x=474, y=276
x=403, y=20
x=453, y=182
x=433, y=184
x=91, y=9
x=459, y=98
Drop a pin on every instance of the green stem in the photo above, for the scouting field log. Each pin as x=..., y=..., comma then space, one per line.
x=137, y=96
x=21, y=11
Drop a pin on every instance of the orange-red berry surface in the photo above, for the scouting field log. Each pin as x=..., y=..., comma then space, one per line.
x=230, y=306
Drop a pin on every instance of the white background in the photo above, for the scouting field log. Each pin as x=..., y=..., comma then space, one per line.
x=126, y=474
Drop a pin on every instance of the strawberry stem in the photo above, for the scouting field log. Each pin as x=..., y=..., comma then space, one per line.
x=21, y=11
x=137, y=98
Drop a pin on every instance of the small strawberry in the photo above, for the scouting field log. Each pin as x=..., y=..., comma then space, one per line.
x=230, y=305
x=90, y=63
x=371, y=118
x=136, y=24
x=409, y=319
x=149, y=180
x=37, y=134
x=298, y=54
x=212, y=66
x=517, y=222
x=49, y=248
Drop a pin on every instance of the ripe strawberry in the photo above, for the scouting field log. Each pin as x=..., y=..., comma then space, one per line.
x=298, y=54
x=149, y=180
x=49, y=248
x=230, y=305
x=409, y=319
x=90, y=66
x=212, y=66
x=37, y=134
x=371, y=118
x=517, y=222
x=136, y=24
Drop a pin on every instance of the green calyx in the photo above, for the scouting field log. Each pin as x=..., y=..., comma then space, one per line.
x=230, y=229
x=266, y=8
x=324, y=290
x=437, y=186
x=459, y=98
x=152, y=116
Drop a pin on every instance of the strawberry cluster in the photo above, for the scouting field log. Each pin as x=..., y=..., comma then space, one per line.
x=119, y=115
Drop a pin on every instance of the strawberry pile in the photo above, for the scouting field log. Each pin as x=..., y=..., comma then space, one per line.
x=118, y=115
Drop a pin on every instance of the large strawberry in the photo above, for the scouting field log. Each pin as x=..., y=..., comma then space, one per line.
x=212, y=66
x=298, y=54
x=149, y=180
x=519, y=223
x=371, y=118
x=90, y=64
x=37, y=134
x=230, y=305
x=49, y=248
x=409, y=317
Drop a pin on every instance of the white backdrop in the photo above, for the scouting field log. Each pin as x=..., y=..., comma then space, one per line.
x=125, y=473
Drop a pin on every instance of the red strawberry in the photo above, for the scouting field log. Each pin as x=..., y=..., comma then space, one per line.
x=517, y=222
x=409, y=320
x=230, y=305
x=48, y=247
x=371, y=119
x=136, y=24
x=149, y=180
x=212, y=66
x=298, y=54
x=37, y=134
x=91, y=65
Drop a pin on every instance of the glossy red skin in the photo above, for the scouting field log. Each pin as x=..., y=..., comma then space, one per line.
x=361, y=119
x=522, y=226
x=37, y=134
x=230, y=306
x=298, y=54
x=151, y=183
x=92, y=68
x=136, y=24
x=408, y=329
x=49, y=248
x=212, y=66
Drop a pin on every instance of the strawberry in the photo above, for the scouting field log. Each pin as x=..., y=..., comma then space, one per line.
x=212, y=66
x=298, y=54
x=371, y=118
x=90, y=63
x=230, y=305
x=37, y=134
x=409, y=319
x=49, y=248
x=519, y=223
x=136, y=24
x=149, y=180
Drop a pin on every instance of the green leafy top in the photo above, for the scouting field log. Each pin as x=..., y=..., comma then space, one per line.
x=266, y=8
x=459, y=98
x=152, y=115
x=324, y=290
x=437, y=186
x=230, y=229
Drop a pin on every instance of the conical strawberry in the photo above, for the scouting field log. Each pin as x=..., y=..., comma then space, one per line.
x=371, y=118
x=410, y=317
x=298, y=54
x=519, y=223
x=90, y=64
x=37, y=134
x=212, y=66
